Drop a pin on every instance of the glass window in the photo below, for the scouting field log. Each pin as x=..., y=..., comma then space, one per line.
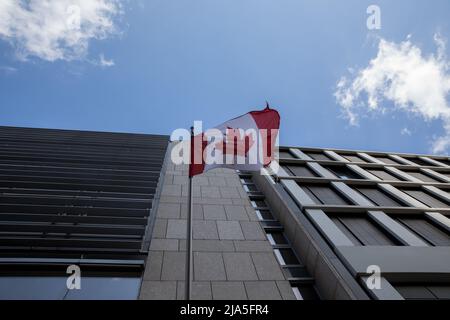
x=250, y=188
x=426, y=198
x=362, y=231
x=259, y=204
x=286, y=256
x=296, y=272
x=276, y=238
x=286, y=154
x=444, y=161
x=324, y=194
x=423, y=291
x=431, y=233
x=343, y=172
x=55, y=288
x=421, y=176
x=354, y=158
x=383, y=174
x=318, y=156
x=386, y=159
x=418, y=161
x=379, y=197
x=264, y=215
x=300, y=171
x=305, y=292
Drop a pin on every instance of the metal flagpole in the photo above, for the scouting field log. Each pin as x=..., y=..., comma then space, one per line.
x=189, y=268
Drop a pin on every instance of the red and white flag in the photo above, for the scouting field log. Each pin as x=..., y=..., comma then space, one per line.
x=247, y=143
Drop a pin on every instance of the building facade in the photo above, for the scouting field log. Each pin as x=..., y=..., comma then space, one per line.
x=114, y=205
x=74, y=199
x=348, y=214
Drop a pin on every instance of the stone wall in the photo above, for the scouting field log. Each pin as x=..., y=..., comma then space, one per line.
x=232, y=257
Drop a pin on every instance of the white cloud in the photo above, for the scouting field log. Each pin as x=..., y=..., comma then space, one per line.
x=405, y=132
x=105, y=62
x=414, y=82
x=56, y=29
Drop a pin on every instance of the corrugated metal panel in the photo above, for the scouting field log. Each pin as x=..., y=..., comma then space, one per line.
x=426, y=230
x=326, y=195
x=378, y=197
x=361, y=231
x=426, y=198
x=421, y=176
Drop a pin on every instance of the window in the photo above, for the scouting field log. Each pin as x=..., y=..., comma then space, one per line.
x=421, y=176
x=286, y=257
x=264, y=215
x=444, y=161
x=300, y=171
x=431, y=233
x=354, y=158
x=383, y=174
x=318, y=156
x=386, y=159
x=423, y=292
x=343, y=172
x=286, y=154
x=324, y=194
x=379, y=197
x=296, y=272
x=425, y=198
x=418, y=161
x=259, y=204
x=55, y=288
x=250, y=188
x=362, y=231
x=276, y=238
x=305, y=292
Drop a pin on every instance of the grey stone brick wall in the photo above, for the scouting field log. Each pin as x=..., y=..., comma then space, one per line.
x=232, y=257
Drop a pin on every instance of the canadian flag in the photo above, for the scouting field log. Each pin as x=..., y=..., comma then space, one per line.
x=246, y=143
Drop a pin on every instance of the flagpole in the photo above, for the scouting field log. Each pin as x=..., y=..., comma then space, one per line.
x=189, y=267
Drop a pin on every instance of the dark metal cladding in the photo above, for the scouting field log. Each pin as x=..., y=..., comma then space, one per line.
x=77, y=194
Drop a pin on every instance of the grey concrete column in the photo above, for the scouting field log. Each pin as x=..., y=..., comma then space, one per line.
x=318, y=217
x=390, y=225
x=328, y=228
x=433, y=162
x=439, y=219
x=335, y=156
x=437, y=192
x=436, y=175
x=321, y=171
x=369, y=158
x=402, y=174
x=366, y=174
x=352, y=195
x=393, y=191
x=300, y=154
x=403, y=160
x=396, y=230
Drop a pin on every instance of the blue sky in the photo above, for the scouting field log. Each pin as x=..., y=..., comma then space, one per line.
x=212, y=60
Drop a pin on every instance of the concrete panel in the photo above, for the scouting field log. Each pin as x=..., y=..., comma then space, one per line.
x=300, y=154
x=335, y=156
x=417, y=263
x=369, y=158
x=328, y=228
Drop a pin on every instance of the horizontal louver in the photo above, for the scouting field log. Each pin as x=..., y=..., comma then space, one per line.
x=70, y=192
